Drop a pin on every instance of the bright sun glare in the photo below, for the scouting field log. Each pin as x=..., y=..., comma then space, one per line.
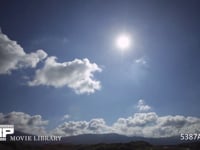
x=123, y=42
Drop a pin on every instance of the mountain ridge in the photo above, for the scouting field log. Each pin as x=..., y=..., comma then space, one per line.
x=117, y=138
x=108, y=138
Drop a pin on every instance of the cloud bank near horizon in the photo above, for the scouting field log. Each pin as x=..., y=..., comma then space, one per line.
x=24, y=122
x=144, y=124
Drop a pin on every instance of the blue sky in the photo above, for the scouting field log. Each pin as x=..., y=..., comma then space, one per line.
x=160, y=69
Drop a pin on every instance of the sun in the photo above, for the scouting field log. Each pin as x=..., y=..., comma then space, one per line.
x=123, y=42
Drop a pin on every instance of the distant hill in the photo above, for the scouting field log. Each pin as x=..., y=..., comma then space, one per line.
x=106, y=138
x=116, y=138
x=102, y=142
x=139, y=145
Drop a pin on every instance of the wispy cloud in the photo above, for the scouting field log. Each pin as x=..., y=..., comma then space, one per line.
x=58, y=40
x=141, y=61
x=65, y=117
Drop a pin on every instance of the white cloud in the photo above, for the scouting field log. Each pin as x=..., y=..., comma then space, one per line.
x=142, y=106
x=65, y=117
x=144, y=124
x=12, y=56
x=140, y=124
x=147, y=124
x=24, y=122
x=70, y=128
x=76, y=74
x=98, y=125
x=134, y=125
x=152, y=125
x=141, y=61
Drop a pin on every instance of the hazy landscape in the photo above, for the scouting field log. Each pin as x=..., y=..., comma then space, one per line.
x=103, y=142
x=137, y=145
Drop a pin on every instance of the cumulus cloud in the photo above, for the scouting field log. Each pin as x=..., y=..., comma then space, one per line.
x=76, y=74
x=140, y=124
x=134, y=125
x=98, y=125
x=146, y=124
x=13, y=56
x=142, y=106
x=149, y=124
x=24, y=122
x=71, y=128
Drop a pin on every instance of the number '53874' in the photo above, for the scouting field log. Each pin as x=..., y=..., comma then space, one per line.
x=189, y=136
